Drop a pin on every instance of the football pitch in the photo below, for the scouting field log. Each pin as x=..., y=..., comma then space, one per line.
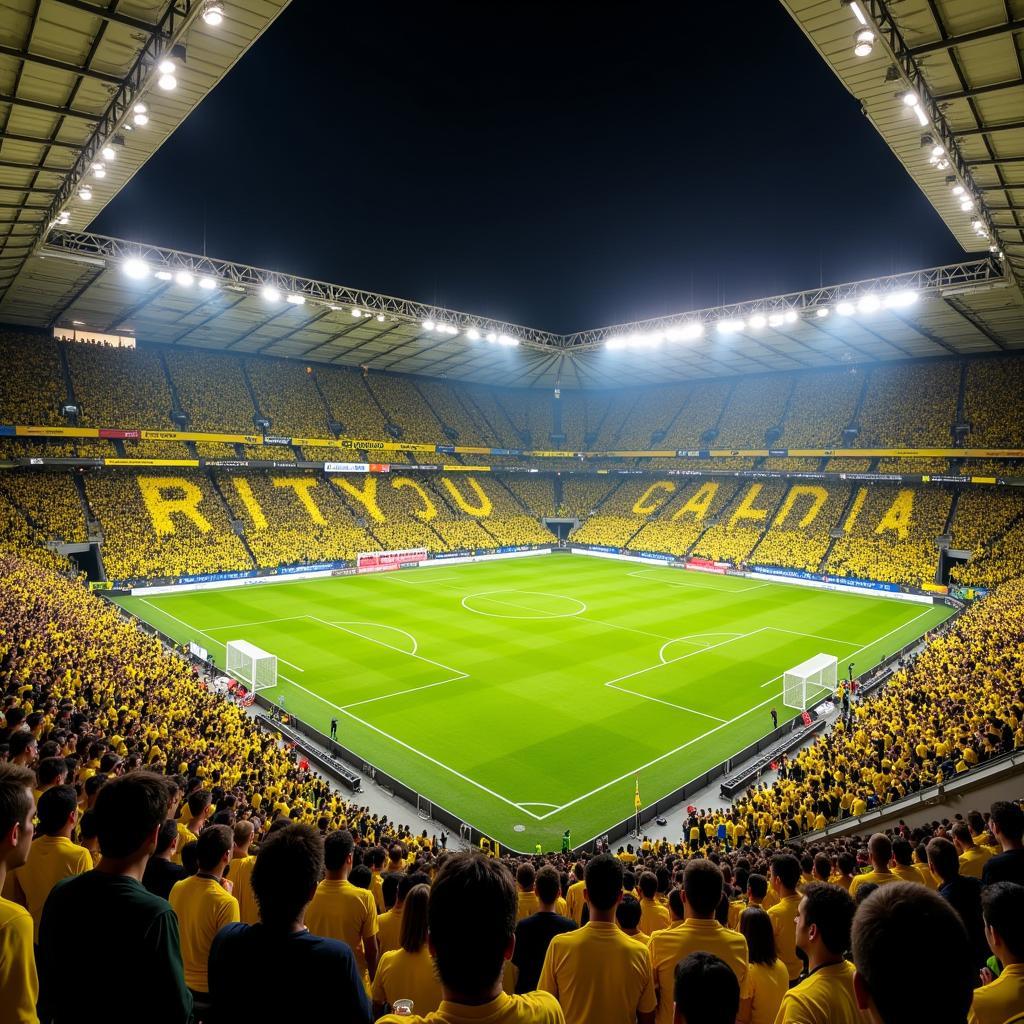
x=526, y=695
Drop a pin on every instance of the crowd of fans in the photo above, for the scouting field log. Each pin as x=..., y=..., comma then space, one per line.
x=288, y=397
x=49, y=501
x=119, y=387
x=131, y=795
x=992, y=399
x=31, y=386
x=887, y=420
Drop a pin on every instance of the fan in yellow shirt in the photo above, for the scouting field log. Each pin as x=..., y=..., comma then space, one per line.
x=574, y=895
x=825, y=996
x=653, y=916
x=769, y=976
x=18, y=981
x=389, y=924
x=694, y=930
x=526, y=876
x=203, y=906
x=471, y=916
x=408, y=972
x=784, y=876
x=972, y=856
x=598, y=974
x=343, y=911
x=54, y=855
x=880, y=855
x=1002, y=907
x=240, y=873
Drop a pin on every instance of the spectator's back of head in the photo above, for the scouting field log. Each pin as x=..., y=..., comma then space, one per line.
x=902, y=852
x=702, y=887
x=756, y=928
x=472, y=914
x=129, y=812
x=547, y=884
x=1008, y=820
x=757, y=885
x=880, y=849
x=706, y=991
x=16, y=810
x=648, y=885
x=50, y=770
x=526, y=876
x=786, y=868
x=1002, y=906
x=338, y=847
x=166, y=836
x=829, y=910
x=286, y=873
x=55, y=807
x=943, y=859
x=213, y=844
x=628, y=913
x=603, y=881
x=914, y=961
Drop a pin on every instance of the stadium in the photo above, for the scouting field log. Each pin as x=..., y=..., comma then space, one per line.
x=659, y=648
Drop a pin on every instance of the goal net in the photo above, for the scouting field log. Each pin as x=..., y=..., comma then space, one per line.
x=254, y=667
x=803, y=684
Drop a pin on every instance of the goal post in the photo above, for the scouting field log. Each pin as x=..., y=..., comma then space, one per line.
x=803, y=684
x=254, y=667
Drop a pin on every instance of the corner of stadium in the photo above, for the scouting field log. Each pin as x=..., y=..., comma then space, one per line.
x=727, y=582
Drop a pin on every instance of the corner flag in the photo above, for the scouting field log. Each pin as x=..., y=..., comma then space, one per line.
x=636, y=794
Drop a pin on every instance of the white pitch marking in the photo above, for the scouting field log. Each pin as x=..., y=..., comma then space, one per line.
x=814, y=636
x=145, y=600
x=485, y=594
x=690, y=639
x=412, y=689
x=243, y=625
x=409, y=578
x=667, y=703
x=379, y=625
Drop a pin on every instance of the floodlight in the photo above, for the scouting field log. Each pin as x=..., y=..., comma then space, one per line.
x=845, y=309
x=213, y=14
x=910, y=98
x=85, y=193
x=109, y=153
x=167, y=82
x=858, y=13
x=900, y=299
x=864, y=43
x=491, y=336
x=99, y=171
x=295, y=299
x=758, y=320
x=357, y=312
x=139, y=108
x=270, y=293
x=63, y=217
x=967, y=204
x=136, y=268
x=922, y=117
x=937, y=151
x=821, y=312
x=868, y=303
x=790, y=316
x=380, y=318
x=164, y=275
x=141, y=119
x=730, y=326
x=504, y=339
x=428, y=325
x=776, y=320
x=473, y=334
x=958, y=190
x=207, y=282
x=183, y=278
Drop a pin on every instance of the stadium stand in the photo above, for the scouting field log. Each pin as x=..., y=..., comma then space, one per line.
x=890, y=534
x=677, y=525
x=886, y=420
x=287, y=396
x=823, y=427
x=31, y=388
x=993, y=398
x=48, y=501
x=798, y=537
x=212, y=390
x=104, y=376
x=350, y=402
x=742, y=524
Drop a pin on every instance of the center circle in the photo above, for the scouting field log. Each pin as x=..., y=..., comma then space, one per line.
x=519, y=604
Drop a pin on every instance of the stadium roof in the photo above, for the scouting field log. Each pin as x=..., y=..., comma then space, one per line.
x=71, y=75
x=85, y=281
x=963, y=65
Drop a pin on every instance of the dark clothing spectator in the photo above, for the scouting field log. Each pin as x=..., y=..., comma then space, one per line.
x=140, y=976
x=533, y=936
x=160, y=876
x=320, y=973
x=964, y=895
x=1007, y=866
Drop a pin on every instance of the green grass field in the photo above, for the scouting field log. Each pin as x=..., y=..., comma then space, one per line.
x=525, y=695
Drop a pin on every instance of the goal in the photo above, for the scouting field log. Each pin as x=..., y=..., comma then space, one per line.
x=803, y=684
x=252, y=666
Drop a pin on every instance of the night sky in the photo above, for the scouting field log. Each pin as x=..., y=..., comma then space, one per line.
x=554, y=168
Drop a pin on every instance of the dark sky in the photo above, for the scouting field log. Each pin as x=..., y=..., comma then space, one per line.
x=558, y=168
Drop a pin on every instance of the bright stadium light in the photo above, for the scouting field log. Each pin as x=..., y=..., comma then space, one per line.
x=967, y=204
x=776, y=320
x=758, y=320
x=140, y=114
x=207, y=283
x=910, y=98
x=183, y=278
x=448, y=329
x=504, y=339
x=357, y=312
x=869, y=303
x=958, y=190
x=864, y=43
x=685, y=332
x=63, y=217
x=85, y=193
x=730, y=326
x=473, y=334
x=109, y=153
x=99, y=171
x=295, y=299
x=491, y=337
x=615, y=343
x=922, y=117
x=900, y=299
x=821, y=312
x=846, y=309
x=167, y=81
x=428, y=325
x=790, y=316
x=858, y=13
x=164, y=275
x=213, y=14
x=270, y=293
x=380, y=318
x=136, y=268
